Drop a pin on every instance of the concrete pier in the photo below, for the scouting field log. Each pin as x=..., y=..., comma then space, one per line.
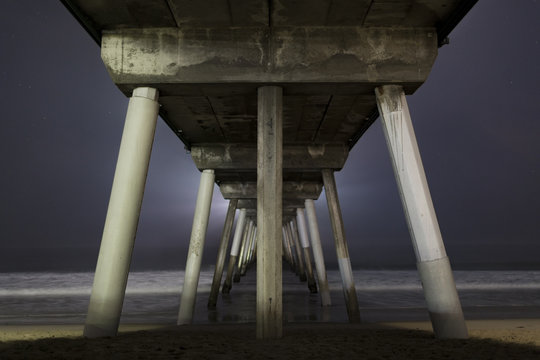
x=433, y=265
x=318, y=253
x=342, y=250
x=222, y=253
x=238, y=71
x=235, y=248
x=122, y=219
x=196, y=247
x=298, y=248
x=287, y=248
x=304, y=241
x=269, y=211
x=242, y=264
x=239, y=261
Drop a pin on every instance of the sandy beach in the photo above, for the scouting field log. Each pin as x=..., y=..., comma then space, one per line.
x=489, y=339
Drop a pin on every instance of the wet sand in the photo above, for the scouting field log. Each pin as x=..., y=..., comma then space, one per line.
x=489, y=339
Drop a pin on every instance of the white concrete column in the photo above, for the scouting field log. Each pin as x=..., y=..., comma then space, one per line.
x=318, y=253
x=222, y=253
x=240, y=260
x=287, y=247
x=122, y=215
x=342, y=249
x=252, y=240
x=269, y=211
x=433, y=264
x=292, y=247
x=242, y=264
x=304, y=241
x=253, y=245
x=235, y=248
x=298, y=247
x=196, y=247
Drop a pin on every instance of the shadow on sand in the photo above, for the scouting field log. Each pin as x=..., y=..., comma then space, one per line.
x=300, y=341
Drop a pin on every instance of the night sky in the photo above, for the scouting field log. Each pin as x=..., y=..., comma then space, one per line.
x=476, y=120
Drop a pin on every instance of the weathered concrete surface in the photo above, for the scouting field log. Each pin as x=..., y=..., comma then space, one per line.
x=242, y=157
x=278, y=55
x=342, y=250
x=287, y=204
x=248, y=190
x=123, y=212
x=433, y=264
x=222, y=253
x=235, y=249
x=318, y=253
x=196, y=248
x=262, y=13
x=442, y=299
x=304, y=241
x=269, y=309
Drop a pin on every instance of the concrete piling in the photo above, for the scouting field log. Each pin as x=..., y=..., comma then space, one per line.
x=298, y=248
x=196, y=247
x=318, y=253
x=342, y=250
x=222, y=253
x=269, y=312
x=304, y=241
x=238, y=232
x=114, y=259
x=433, y=265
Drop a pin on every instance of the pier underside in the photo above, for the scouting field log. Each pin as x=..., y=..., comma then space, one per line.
x=269, y=96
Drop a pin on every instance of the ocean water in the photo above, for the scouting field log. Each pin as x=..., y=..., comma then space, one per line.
x=154, y=296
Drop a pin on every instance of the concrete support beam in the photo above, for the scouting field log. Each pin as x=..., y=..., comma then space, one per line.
x=342, y=250
x=196, y=247
x=291, y=189
x=269, y=196
x=324, y=290
x=288, y=204
x=271, y=55
x=122, y=219
x=235, y=248
x=433, y=264
x=222, y=253
x=242, y=157
x=304, y=241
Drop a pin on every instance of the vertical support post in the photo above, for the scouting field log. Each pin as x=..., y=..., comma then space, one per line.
x=304, y=240
x=196, y=247
x=122, y=218
x=222, y=253
x=238, y=232
x=296, y=267
x=249, y=253
x=301, y=262
x=318, y=253
x=432, y=262
x=238, y=265
x=253, y=245
x=342, y=250
x=242, y=264
x=269, y=211
x=287, y=248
